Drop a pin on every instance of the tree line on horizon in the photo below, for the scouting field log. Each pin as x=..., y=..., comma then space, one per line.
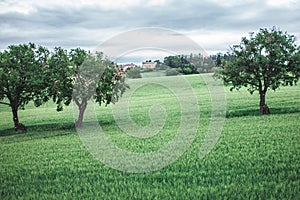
x=179, y=64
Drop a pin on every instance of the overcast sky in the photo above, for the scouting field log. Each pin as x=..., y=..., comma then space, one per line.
x=213, y=24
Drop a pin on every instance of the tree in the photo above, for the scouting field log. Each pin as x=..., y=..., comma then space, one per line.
x=81, y=76
x=181, y=63
x=22, y=78
x=218, y=61
x=60, y=77
x=172, y=61
x=95, y=78
x=267, y=60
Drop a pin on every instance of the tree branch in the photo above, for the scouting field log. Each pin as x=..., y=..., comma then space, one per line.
x=5, y=103
x=76, y=101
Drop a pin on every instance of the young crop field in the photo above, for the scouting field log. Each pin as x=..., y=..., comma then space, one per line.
x=256, y=157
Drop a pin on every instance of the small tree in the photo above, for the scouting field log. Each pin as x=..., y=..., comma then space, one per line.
x=22, y=78
x=266, y=60
x=95, y=78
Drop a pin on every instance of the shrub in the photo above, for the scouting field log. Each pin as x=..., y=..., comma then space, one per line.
x=187, y=70
x=172, y=72
x=162, y=66
x=134, y=73
x=147, y=70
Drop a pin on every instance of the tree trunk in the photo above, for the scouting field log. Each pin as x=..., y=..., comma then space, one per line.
x=82, y=108
x=18, y=125
x=15, y=116
x=262, y=98
x=264, y=109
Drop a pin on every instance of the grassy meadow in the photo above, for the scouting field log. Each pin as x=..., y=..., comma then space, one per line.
x=256, y=157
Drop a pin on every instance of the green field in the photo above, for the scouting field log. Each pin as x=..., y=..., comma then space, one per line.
x=156, y=73
x=256, y=157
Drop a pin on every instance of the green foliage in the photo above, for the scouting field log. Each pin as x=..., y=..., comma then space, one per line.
x=95, y=78
x=172, y=72
x=266, y=60
x=255, y=158
x=87, y=75
x=160, y=65
x=187, y=70
x=30, y=73
x=111, y=85
x=22, y=77
x=60, y=77
x=181, y=63
x=172, y=61
x=147, y=70
x=134, y=72
x=191, y=64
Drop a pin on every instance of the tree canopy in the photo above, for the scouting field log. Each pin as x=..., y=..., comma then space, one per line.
x=95, y=78
x=31, y=73
x=266, y=60
x=22, y=77
x=60, y=78
x=181, y=63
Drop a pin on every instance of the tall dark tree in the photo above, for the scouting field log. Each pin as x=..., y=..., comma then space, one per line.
x=267, y=60
x=218, y=61
x=22, y=78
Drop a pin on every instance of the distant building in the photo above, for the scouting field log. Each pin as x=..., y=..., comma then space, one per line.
x=127, y=66
x=149, y=65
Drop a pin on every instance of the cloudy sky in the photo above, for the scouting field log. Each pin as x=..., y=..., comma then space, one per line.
x=212, y=24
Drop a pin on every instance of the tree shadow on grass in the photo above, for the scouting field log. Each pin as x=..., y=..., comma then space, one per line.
x=47, y=130
x=39, y=129
x=255, y=112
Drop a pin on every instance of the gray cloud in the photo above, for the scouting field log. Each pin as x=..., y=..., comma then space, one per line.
x=88, y=25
